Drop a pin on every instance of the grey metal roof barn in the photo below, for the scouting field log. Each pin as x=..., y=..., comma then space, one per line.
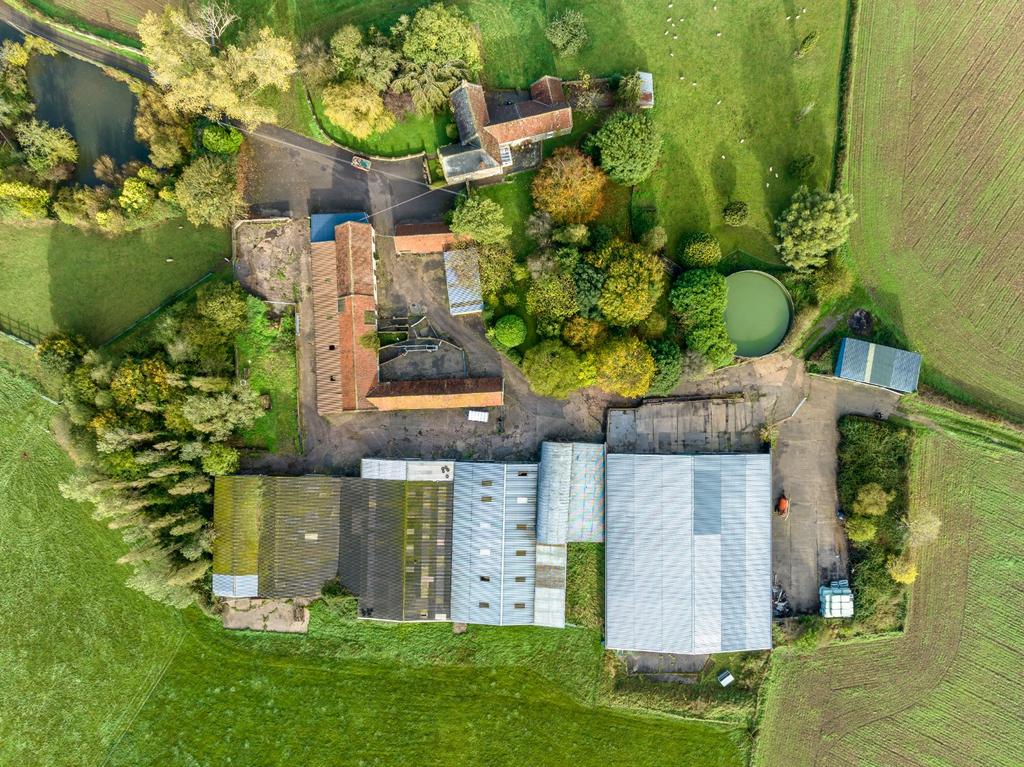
x=688, y=553
x=570, y=499
x=276, y=536
x=494, y=543
x=880, y=365
x=462, y=274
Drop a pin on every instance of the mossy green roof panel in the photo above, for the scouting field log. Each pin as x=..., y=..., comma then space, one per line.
x=237, y=510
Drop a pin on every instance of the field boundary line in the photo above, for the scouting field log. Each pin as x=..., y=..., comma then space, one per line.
x=142, y=704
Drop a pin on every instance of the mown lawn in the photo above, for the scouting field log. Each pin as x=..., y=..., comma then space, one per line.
x=947, y=692
x=266, y=357
x=95, y=673
x=58, y=277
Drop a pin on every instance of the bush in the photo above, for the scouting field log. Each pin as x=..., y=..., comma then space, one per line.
x=814, y=224
x=628, y=145
x=872, y=500
x=567, y=33
x=357, y=108
x=552, y=369
x=222, y=139
x=481, y=219
x=713, y=343
x=700, y=250
x=510, y=330
x=220, y=459
x=625, y=366
x=569, y=187
x=902, y=569
x=628, y=92
x=861, y=529
x=208, y=193
x=735, y=213
x=22, y=202
x=668, y=366
x=806, y=45
x=589, y=280
x=552, y=296
x=832, y=281
x=60, y=353
x=654, y=239
x=571, y=234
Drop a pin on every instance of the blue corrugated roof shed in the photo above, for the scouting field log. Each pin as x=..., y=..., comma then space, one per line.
x=321, y=225
x=879, y=365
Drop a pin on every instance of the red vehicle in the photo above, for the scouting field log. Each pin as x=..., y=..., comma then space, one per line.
x=782, y=506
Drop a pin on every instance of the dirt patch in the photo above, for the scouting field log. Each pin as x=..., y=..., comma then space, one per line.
x=267, y=256
x=286, y=616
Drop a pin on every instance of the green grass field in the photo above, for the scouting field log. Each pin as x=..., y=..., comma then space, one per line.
x=95, y=673
x=57, y=277
x=937, y=182
x=947, y=692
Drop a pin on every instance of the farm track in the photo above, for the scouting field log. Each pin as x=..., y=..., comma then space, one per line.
x=946, y=692
x=936, y=162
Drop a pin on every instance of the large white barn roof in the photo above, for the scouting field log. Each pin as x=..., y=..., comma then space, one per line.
x=688, y=553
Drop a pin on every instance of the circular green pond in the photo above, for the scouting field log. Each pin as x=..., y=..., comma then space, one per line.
x=758, y=312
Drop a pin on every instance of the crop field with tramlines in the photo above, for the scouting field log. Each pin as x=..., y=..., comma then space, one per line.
x=936, y=165
x=948, y=691
x=119, y=15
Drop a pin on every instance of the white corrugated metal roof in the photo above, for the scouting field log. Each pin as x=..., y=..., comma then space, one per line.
x=570, y=504
x=235, y=585
x=464, y=294
x=688, y=553
x=412, y=470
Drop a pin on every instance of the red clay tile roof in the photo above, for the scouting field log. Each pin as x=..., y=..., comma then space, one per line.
x=438, y=394
x=344, y=310
x=548, y=90
x=534, y=126
x=423, y=238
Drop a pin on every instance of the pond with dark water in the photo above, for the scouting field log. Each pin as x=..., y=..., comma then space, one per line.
x=96, y=109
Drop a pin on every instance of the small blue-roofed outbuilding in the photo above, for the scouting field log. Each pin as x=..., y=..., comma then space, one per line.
x=866, y=362
x=321, y=225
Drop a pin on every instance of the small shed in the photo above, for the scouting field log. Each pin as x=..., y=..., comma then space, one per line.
x=646, y=90
x=836, y=600
x=462, y=273
x=885, y=366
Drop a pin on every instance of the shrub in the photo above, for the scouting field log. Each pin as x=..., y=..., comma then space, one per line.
x=589, y=280
x=832, y=281
x=634, y=283
x=628, y=92
x=584, y=334
x=872, y=500
x=922, y=528
x=552, y=369
x=654, y=326
x=569, y=187
x=497, y=265
x=222, y=139
x=60, y=353
x=668, y=366
x=571, y=234
x=510, y=330
x=220, y=459
x=49, y=152
x=713, y=343
x=628, y=145
x=625, y=366
x=735, y=213
x=22, y=202
x=902, y=569
x=481, y=219
x=813, y=224
x=861, y=529
x=806, y=45
x=654, y=239
x=801, y=167
x=699, y=250
x=568, y=32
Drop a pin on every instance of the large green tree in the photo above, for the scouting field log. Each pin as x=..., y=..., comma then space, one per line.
x=814, y=224
x=699, y=298
x=482, y=220
x=568, y=187
x=440, y=33
x=625, y=366
x=207, y=191
x=357, y=108
x=218, y=81
x=634, y=283
x=668, y=366
x=50, y=152
x=552, y=368
x=628, y=145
